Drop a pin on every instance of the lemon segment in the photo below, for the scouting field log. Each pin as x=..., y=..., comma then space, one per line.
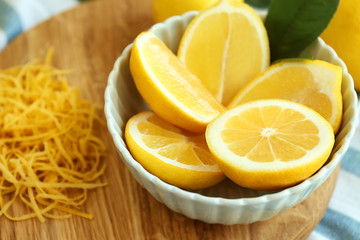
x=176, y=156
x=168, y=87
x=270, y=144
x=315, y=83
x=225, y=46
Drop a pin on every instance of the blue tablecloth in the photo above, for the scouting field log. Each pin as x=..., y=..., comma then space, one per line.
x=341, y=220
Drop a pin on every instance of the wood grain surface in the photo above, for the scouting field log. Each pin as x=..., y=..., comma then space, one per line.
x=88, y=39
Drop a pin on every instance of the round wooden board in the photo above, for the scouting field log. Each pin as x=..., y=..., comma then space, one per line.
x=88, y=39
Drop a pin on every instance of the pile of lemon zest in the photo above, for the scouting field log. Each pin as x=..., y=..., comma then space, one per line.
x=49, y=155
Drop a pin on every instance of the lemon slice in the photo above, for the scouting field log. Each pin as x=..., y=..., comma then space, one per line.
x=174, y=155
x=270, y=144
x=225, y=46
x=315, y=83
x=168, y=87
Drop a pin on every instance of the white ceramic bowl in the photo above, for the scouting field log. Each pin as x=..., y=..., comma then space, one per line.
x=225, y=203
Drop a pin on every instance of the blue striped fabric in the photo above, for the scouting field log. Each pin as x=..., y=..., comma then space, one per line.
x=351, y=162
x=336, y=225
x=10, y=20
x=342, y=219
x=17, y=16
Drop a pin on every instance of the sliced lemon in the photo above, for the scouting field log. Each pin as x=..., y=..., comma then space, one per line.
x=225, y=46
x=176, y=156
x=270, y=144
x=168, y=87
x=315, y=83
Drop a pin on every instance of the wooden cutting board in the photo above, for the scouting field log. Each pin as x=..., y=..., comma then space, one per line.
x=88, y=39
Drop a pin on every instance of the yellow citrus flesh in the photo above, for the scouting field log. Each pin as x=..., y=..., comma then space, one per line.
x=314, y=83
x=225, y=46
x=270, y=144
x=168, y=87
x=176, y=156
x=163, y=9
x=343, y=35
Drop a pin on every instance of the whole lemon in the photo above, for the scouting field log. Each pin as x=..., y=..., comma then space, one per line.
x=163, y=9
x=343, y=35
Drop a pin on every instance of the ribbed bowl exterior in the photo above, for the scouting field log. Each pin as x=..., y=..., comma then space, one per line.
x=226, y=203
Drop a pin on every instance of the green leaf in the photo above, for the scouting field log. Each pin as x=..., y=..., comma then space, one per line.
x=292, y=25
